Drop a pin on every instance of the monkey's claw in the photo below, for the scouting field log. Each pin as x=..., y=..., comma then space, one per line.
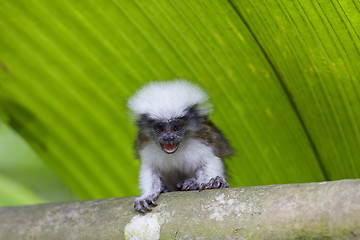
x=214, y=183
x=188, y=185
x=164, y=189
x=143, y=205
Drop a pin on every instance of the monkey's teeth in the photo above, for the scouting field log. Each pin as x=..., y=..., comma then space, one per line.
x=169, y=148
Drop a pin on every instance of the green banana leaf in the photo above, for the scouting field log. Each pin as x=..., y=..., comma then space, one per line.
x=283, y=77
x=13, y=193
x=23, y=174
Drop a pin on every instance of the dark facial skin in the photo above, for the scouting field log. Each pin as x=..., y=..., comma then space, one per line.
x=169, y=134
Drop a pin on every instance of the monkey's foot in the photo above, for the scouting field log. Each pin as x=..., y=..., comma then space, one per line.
x=164, y=189
x=214, y=183
x=143, y=205
x=188, y=185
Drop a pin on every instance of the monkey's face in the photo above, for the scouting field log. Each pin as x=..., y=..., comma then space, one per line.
x=169, y=134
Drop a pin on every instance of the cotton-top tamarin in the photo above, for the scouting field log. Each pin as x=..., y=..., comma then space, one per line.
x=179, y=147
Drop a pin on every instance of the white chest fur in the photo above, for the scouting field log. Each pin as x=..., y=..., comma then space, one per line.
x=191, y=155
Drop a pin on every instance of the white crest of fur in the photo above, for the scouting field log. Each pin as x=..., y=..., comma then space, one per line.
x=168, y=99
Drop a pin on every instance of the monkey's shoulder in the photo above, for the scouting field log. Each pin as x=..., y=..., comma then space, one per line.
x=211, y=136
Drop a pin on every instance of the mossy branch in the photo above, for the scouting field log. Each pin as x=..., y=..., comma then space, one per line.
x=327, y=210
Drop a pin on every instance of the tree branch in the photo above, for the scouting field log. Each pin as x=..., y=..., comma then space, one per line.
x=327, y=210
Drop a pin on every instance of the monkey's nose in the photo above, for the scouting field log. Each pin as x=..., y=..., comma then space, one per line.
x=169, y=139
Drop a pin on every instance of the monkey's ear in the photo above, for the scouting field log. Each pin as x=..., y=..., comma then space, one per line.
x=144, y=121
x=199, y=110
x=192, y=112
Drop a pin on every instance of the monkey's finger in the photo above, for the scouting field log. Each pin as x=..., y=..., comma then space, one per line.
x=216, y=184
x=164, y=189
x=156, y=196
x=208, y=185
x=224, y=184
x=202, y=187
x=219, y=181
x=195, y=186
x=141, y=210
x=185, y=187
x=153, y=202
x=146, y=206
x=138, y=207
x=211, y=183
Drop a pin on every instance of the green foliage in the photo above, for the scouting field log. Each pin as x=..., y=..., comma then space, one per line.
x=24, y=178
x=16, y=194
x=282, y=76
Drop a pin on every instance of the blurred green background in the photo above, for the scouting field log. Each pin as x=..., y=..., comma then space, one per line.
x=24, y=178
x=283, y=77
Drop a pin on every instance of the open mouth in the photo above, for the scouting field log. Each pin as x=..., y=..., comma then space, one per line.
x=169, y=148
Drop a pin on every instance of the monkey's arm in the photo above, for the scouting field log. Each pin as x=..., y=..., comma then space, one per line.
x=211, y=174
x=150, y=186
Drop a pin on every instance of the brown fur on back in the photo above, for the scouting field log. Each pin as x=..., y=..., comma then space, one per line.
x=140, y=142
x=210, y=135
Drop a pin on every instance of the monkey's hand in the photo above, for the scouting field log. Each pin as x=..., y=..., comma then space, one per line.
x=188, y=185
x=214, y=183
x=143, y=204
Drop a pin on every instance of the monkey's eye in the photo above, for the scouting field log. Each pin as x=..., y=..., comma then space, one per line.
x=159, y=128
x=177, y=127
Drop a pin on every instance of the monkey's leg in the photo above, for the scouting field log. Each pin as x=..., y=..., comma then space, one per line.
x=214, y=183
x=150, y=185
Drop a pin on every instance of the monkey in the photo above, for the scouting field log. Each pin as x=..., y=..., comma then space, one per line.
x=179, y=147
